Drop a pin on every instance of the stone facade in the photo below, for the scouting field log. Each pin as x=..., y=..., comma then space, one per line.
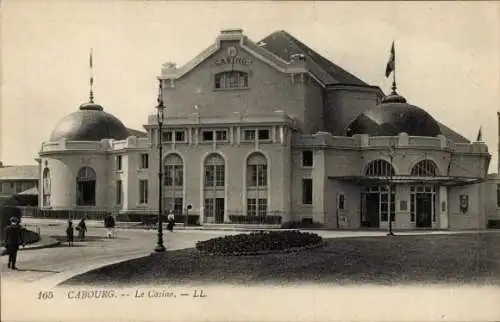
x=254, y=135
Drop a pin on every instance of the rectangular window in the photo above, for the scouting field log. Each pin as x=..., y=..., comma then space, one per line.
x=257, y=175
x=208, y=136
x=214, y=175
x=221, y=135
x=118, y=162
x=262, y=207
x=263, y=135
x=219, y=175
x=1, y=187
x=19, y=187
x=307, y=159
x=119, y=192
x=498, y=195
x=166, y=136
x=251, y=207
x=144, y=162
x=180, y=136
x=175, y=204
x=249, y=135
x=143, y=191
x=209, y=208
x=341, y=201
x=307, y=191
x=173, y=175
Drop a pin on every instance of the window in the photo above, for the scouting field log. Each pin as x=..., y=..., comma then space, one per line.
x=251, y=207
x=208, y=135
x=379, y=168
x=498, y=195
x=174, y=175
x=166, y=136
x=86, y=187
x=249, y=135
x=221, y=135
x=1, y=187
x=257, y=170
x=119, y=192
x=262, y=207
x=257, y=207
x=143, y=191
x=45, y=187
x=214, y=171
x=144, y=162
x=231, y=79
x=175, y=204
x=209, y=208
x=425, y=168
x=307, y=159
x=19, y=187
x=118, y=162
x=180, y=136
x=307, y=191
x=341, y=202
x=263, y=135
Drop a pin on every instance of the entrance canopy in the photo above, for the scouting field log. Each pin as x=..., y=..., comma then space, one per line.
x=439, y=180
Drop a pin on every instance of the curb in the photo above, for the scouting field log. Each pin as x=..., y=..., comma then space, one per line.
x=50, y=242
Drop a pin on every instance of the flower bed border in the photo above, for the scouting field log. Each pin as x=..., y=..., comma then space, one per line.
x=266, y=252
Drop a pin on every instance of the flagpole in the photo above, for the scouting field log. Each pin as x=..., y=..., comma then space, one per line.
x=394, y=69
x=91, y=78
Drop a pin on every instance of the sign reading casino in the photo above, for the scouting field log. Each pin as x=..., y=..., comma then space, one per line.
x=232, y=58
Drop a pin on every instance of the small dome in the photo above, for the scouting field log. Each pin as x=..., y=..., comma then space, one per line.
x=392, y=117
x=89, y=123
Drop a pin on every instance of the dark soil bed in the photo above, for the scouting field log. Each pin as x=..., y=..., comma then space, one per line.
x=456, y=259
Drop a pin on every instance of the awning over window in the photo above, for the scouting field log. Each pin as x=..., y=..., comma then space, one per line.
x=440, y=180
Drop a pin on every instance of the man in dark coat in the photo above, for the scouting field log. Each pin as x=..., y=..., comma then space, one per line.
x=13, y=239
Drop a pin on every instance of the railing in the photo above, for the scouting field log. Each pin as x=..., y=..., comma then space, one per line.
x=424, y=141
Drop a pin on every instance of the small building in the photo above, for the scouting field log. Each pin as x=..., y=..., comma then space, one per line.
x=270, y=132
x=15, y=179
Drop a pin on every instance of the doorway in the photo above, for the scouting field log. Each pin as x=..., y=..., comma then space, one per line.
x=424, y=210
x=219, y=210
x=372, y=209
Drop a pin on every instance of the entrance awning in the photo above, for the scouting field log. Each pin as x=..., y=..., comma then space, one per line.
x=440, y=180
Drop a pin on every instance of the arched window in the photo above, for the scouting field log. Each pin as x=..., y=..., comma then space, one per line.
x=379, y=168
x=174, y=175
x=231, y=79
x=256, y=185
x=46, y=187
x=424, y=168
x=85, y=187
x=214, y=171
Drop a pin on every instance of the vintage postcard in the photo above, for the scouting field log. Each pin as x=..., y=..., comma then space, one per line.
x=249, y=161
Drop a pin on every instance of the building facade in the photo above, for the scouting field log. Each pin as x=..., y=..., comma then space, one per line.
x=15, y=179
x=270, y=132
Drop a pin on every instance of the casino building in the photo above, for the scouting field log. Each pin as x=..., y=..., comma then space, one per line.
x=270, y=132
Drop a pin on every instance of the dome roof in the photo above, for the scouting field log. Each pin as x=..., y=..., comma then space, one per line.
x=392, y=117
x=89, y=123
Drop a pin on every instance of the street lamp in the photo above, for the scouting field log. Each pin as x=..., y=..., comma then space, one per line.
x=389, y=197
x=160, y=116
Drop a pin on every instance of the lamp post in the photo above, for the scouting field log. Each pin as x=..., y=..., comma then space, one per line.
x=160, y=116
x=389, y=197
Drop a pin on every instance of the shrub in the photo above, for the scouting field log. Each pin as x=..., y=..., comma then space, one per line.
x=301, y=224
x=257, y=242
x=29, y=237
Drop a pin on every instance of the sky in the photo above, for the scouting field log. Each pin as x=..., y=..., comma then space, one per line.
x=447, y=56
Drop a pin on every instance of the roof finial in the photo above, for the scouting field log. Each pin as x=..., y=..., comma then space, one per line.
x=91, y=96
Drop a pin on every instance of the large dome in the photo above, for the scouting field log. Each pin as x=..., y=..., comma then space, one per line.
x=89, y=123
x=392, y=117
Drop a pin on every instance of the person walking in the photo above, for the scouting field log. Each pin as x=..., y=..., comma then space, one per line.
x=109, y=223
x=70, y=233
x=13, y=239
x=82, y=229
x=170, y=221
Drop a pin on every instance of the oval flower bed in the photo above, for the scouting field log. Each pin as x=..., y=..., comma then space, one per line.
x=261, y=242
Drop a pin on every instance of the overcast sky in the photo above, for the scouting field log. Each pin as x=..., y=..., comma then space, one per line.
x=447, y=56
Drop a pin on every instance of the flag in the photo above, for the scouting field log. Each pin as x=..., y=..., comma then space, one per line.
x=90, y=59
x=479, y=135
x=90, y=64
x=391, y=64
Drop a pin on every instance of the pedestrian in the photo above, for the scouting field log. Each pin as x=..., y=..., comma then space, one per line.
x=170, y=221
x=109, y=223
x=70, y=233
x=82, y=229
x=13, y=239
